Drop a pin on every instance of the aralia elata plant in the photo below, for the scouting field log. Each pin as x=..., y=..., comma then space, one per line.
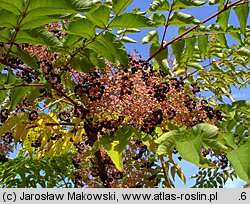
x=74, y=101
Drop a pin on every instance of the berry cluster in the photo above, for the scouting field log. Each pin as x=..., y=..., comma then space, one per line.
x=36, y=144
x=210, y=112
x=140, y=93
x=90, y=87
x=139, y=96
x=135, y=159
x=26, y=76
x=151, y=121
x=4, y=114
x=15, y=60
x=6, y=146
x=33, y=115
x=109, y=98
x=161, y=90
x=64, y=116
x=220, y=161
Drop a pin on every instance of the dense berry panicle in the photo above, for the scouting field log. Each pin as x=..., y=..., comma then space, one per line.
x=136, y=93
x=106, y=99
x=4, y=114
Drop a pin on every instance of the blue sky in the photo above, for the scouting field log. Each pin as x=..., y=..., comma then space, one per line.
x=143, y=49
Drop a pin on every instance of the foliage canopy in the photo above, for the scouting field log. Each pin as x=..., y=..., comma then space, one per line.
x=84, y=112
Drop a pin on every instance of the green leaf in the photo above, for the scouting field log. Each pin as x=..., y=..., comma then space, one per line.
x=99, y=16
x=152, y=36
x=158, y=18
x=83, y=27
x=239, y=158
x=182, y=19
x=48, y=7
x=127, y=39
x=190, y=45
x=30, y=21
x=182, y=4
x=3, y=78
x=120, y=5
x=110, y=47
x=17, y=95
x=128, y=31
x=159, y=6
x=5, y=34
x=244, y=52
x=189, y=147
x=236, y=36
x=242, y=103
x=3, y=95
x=82, y=64
x=11, y=122
x=132, y=20
x=195, y=65
x=166, y=142
x=95, y=58
x=13, y=6
x=39, y=36
x=209, y=134
x=202, y=44
x=222, y=39
x=114, y=146
x=8, y=19
x=34, y=93
x=161, y=58
x=242, y=12
x=213, y=2
x=71, y=39
x=223, y=17
x=229, y=138
x=178, y=48
x=38, y=13
x=11, y=78
x=25, y=57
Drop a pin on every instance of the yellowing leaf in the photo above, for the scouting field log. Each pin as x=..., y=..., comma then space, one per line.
x=12, y=122
x=21, y=132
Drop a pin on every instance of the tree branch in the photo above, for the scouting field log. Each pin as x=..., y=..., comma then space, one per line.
x=67, y=97
x=17, y=29
x=179, y=37
x=5, y=62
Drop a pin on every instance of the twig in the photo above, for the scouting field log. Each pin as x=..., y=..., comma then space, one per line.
x=166, y=24
x=67, y=97
x=20, y=85
x=60, y=124
x=179, y=37
x=54, y=102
